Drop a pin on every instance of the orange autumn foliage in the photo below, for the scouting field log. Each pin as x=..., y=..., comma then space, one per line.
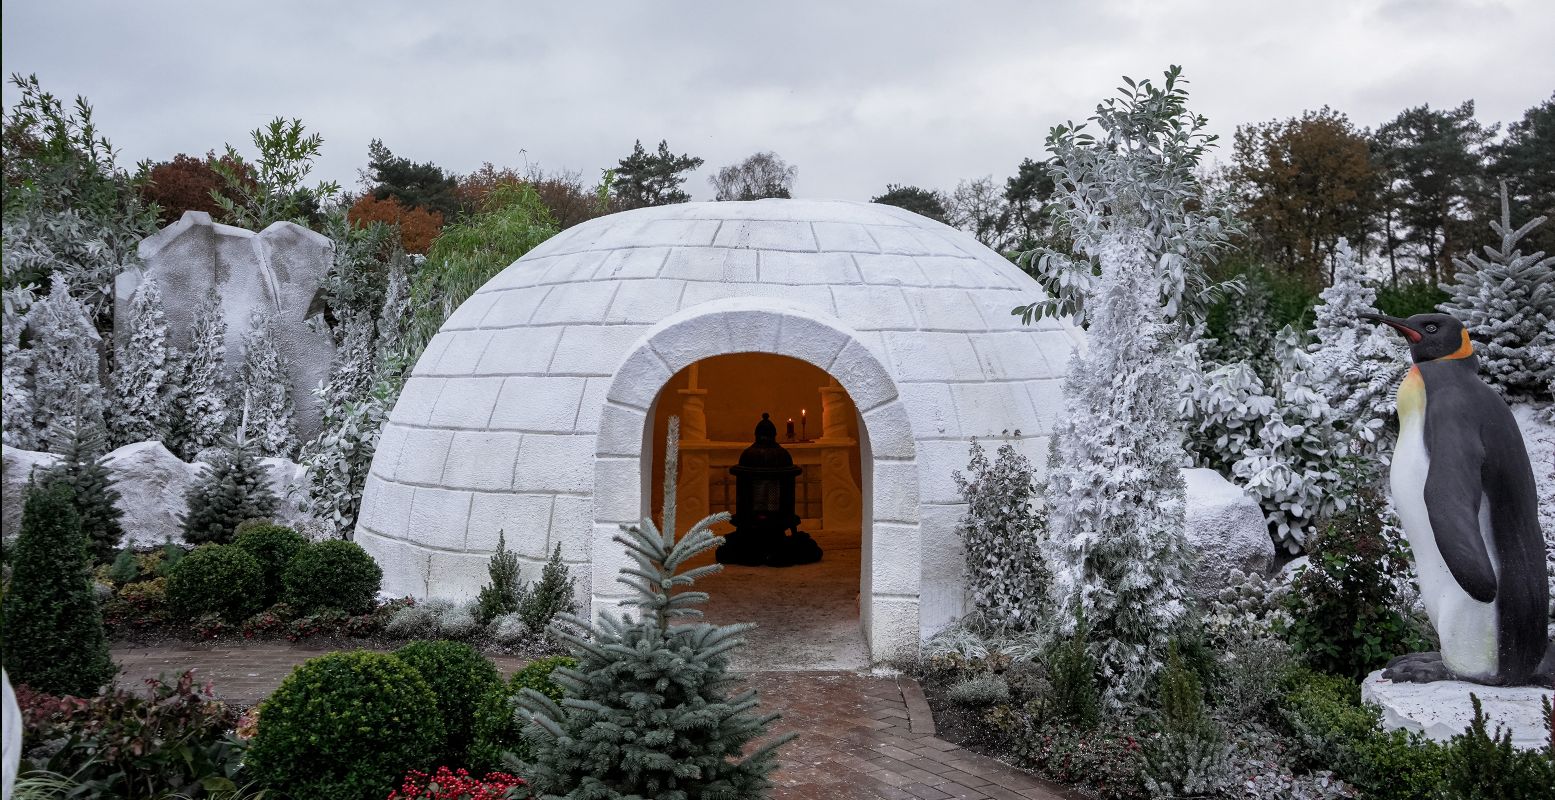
x=418, y=226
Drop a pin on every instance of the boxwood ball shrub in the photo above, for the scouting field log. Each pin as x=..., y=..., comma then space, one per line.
x=221, y=579
x=461, y=678
x=274, y=546
x=497, y=728
x=345, y=726
x=332, y=574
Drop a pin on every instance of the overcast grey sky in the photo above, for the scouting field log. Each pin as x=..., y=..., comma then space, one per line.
x=856, y=94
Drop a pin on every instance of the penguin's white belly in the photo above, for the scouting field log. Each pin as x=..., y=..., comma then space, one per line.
x=1467, y=627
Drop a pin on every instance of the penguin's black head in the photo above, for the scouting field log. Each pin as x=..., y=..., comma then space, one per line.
x=1431, y=336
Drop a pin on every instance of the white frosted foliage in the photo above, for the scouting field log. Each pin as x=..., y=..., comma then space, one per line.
x=267, y=394
x=16, y=424
x=204, y=396
x=144, y=372
x=1117, y=495
x=67, y=387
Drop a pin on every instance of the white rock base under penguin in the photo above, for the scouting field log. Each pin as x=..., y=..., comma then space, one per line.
x=1442, y=710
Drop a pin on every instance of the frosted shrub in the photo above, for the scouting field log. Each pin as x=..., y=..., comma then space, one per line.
x=1356, y=364
x=1226, y=405
x=337, y=462
x=434, y=619
x=1506, y=299
x=1143, y=230
x=980, y=692
x=1002, y=533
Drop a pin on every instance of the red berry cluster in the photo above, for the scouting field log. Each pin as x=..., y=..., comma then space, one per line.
x=449, y=784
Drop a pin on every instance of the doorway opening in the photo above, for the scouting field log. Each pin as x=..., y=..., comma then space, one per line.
x=807, y=615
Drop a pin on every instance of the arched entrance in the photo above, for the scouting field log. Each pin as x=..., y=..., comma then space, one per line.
x=807, y=615
x=890, y=570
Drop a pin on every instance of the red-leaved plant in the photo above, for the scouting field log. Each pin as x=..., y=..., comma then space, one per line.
x=448, y=784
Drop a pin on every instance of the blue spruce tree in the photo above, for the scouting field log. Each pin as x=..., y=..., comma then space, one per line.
x=651, y=711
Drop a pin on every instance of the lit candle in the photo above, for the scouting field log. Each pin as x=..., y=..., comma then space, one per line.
x=804, y=427
x=790, y=429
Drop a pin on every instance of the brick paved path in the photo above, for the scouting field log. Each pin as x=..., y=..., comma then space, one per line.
x=861, y=737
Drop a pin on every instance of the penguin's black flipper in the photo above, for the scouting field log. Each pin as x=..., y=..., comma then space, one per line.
x=1454, y=492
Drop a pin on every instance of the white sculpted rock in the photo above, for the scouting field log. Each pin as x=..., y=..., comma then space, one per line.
x=152, y=483
x=16, y=467
x=276, y=273
x=286, y=480
x=1442, y=710
x=1226, y=532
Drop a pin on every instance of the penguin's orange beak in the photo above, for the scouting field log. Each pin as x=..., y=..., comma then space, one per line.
x=1402, y=325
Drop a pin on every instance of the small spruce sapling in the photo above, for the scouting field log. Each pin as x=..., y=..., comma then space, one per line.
x=649, y=710
x=501, y=596
x=1188, y=756
x=1481, y=766
x=83, y=467
x=233, y=488
x=125, y=569
x=549, y=597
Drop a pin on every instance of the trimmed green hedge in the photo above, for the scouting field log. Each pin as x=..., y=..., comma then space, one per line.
x=332, y=574
x=346, y=726
x=221, y=579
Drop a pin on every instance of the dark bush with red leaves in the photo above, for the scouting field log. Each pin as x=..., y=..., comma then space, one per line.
x=448, y=784
x=171, y=738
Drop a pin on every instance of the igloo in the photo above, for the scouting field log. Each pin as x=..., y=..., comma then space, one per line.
x=538, y=409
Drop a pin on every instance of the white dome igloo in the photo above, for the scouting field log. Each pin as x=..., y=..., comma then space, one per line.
x=526, y=413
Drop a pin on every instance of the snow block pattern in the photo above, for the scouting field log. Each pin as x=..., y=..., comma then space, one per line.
x=526, y=413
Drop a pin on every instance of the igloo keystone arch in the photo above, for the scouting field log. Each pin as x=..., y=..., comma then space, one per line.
x=530, y=412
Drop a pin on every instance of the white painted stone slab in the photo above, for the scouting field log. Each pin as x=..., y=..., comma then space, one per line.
x=1443, y=710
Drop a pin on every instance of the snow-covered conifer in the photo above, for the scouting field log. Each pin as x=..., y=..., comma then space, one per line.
x=203, y=415
x=145, y=372
x=1506, y=299
x=67, y=387
x=266, y=388
x=1143, y=229
x=1357, y=364
x=16, y=409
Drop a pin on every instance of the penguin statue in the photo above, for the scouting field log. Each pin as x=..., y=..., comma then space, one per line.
x=1464, y=491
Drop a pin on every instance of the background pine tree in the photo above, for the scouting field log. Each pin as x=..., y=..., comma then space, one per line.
x=143, y=381
x=82, y=468
x=67, y=389
x=234, y=488
x=203, y=412
x=267, y=393
x=648, y=711
x=54, y=640
x=1507, y=301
